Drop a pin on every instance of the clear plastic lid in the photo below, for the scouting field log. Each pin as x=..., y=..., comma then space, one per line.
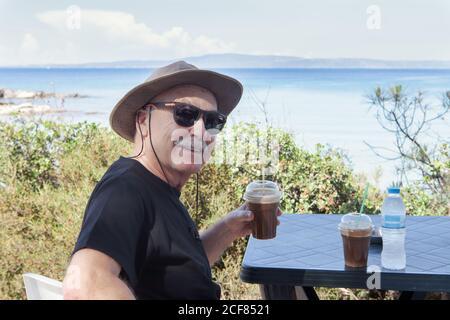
x=355, y=221
x=262, y=191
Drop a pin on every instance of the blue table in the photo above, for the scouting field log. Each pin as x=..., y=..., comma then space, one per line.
x=307, y=253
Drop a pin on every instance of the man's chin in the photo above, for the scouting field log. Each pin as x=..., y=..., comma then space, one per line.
x=188, y=168
x=187, y=161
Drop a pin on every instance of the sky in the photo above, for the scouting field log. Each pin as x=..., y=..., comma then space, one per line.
x=59, y=31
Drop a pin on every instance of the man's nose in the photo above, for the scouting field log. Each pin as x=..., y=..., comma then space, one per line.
x=199, y=129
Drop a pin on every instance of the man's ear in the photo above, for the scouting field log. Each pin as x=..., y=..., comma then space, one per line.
x=141, y=123
x=141, y=128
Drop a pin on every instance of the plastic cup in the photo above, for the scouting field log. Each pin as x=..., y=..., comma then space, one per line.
x=356, y=230
x=263, y=198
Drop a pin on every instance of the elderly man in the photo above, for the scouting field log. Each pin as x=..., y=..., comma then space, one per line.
x=137, y=240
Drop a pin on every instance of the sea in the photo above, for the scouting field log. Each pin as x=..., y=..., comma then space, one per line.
x=318, y=106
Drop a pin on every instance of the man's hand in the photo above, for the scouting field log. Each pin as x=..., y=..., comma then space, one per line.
x=234, y=225
x=239, y=222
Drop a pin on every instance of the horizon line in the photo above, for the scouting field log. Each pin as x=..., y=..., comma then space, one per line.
x=158, y=60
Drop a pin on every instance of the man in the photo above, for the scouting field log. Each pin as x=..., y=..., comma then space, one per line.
x=137, y=240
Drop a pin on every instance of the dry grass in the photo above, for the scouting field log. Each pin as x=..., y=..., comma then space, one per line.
x=42, y=205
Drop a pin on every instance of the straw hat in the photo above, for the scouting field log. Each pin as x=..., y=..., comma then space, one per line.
x=228, y=92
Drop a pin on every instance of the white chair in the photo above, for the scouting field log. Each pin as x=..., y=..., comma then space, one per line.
x=39, y=287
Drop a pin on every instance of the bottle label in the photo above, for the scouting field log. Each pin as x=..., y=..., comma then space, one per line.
x=393, y=221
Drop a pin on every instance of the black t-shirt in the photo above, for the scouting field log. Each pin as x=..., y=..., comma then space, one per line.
x=138, y=220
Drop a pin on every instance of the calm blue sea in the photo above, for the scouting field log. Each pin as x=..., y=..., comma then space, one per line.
x=325, y=106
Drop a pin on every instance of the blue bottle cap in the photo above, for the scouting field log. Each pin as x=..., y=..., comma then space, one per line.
x=394, y=190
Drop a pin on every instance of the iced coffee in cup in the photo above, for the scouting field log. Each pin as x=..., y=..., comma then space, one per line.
x=263, y=198
x=356, y=230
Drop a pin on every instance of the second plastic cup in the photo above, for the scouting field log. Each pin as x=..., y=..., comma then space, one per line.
x=356, y=230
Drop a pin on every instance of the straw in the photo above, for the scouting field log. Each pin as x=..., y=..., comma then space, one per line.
x=366, y=191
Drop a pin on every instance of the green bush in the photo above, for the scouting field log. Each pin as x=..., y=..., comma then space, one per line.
x=421, y=202
x=48, y=171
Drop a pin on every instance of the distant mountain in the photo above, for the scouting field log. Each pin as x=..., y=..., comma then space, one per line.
x=233, y=60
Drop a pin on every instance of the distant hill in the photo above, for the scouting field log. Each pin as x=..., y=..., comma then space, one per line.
x=233, y=60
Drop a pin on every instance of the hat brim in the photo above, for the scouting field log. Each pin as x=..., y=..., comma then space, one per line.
x=228, y=92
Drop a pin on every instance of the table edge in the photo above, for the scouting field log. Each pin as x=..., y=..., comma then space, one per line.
x=344, y=279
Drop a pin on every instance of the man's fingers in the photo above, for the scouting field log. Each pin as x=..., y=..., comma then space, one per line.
x=246, y=215
x=243, y=207
x=279, y=212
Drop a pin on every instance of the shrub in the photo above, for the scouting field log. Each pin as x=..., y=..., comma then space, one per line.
x=49, y=170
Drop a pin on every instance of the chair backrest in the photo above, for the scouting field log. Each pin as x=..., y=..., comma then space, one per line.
x=39, y=287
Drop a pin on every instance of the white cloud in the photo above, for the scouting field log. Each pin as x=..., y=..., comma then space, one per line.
x=120, y=29
x=28, y=49
x=29, y=43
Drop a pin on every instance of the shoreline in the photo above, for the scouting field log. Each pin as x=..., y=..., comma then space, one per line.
x=23, y=102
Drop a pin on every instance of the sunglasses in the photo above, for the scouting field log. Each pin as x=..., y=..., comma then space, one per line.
x=185, y=115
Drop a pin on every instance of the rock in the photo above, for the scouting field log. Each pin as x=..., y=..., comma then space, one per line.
x=27, y=109
x=22, y=94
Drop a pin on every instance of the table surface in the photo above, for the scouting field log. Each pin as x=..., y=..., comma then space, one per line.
x=308, y=252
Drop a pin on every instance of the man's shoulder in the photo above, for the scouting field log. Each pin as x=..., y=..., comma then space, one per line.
x=118, y=191
x=121, y=176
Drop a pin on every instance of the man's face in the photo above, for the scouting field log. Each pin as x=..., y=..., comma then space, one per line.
x=182, y=149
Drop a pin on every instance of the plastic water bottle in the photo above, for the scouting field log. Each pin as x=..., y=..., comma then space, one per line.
x=393, y=231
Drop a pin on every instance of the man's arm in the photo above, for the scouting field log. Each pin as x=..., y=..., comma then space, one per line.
x=221, y=235
x=216, y=240
x=94, y=275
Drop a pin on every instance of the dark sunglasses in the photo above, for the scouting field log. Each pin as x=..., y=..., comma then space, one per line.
x=185, y=115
